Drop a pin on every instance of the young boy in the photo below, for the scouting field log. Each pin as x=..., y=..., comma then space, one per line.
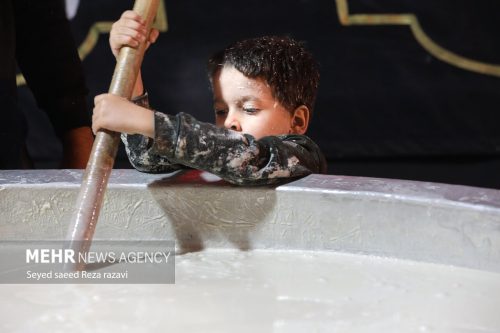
x=264, y=90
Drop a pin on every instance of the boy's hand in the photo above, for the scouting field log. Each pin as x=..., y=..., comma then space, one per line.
x=117, y=114
x=130, y=30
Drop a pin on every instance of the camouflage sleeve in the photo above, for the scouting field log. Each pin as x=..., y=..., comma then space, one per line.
x=238, y=158
x=139, y=152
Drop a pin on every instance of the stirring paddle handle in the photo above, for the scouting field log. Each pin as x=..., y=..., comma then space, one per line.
x=102, y=156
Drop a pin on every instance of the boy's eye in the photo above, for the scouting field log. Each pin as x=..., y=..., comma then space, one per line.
x=251, y=110
x=220, y=113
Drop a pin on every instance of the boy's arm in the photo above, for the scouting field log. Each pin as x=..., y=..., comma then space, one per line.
x=235, y=157
x=138, y=147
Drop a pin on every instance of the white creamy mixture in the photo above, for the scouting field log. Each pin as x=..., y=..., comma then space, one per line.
x=268, y=291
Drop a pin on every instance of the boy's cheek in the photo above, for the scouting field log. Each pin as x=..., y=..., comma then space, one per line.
x=219, y=123
x=256, y=132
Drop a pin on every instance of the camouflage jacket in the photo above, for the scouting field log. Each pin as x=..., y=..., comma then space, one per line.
x=182, y=141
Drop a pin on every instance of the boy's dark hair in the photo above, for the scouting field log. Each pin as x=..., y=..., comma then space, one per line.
x=282, y=62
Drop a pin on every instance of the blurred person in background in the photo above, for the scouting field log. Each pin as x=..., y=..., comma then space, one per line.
x=36, y=36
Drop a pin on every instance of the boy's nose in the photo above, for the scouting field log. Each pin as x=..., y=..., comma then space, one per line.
x=232, y=123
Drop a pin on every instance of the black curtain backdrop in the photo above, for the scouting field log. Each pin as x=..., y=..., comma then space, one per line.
x=386, y=106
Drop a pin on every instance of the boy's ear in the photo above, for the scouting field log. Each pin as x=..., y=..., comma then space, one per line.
x=300, y=120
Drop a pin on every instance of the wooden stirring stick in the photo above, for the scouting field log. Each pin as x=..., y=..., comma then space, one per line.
x=102, y=157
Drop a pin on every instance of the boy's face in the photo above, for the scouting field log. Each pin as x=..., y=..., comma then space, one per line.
x=247, y=105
